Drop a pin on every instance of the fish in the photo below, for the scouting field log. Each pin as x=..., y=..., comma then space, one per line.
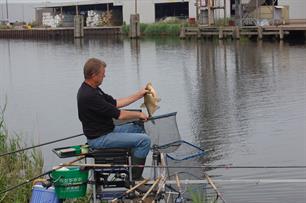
x=150, y=100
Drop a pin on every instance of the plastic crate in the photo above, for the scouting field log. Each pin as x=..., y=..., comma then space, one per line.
x=41, y=194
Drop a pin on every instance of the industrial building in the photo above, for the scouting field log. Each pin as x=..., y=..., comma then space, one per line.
x=149, y=10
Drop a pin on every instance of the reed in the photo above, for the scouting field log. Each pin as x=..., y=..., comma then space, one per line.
x=155, y=29
x=18, y=167
x=4, y=27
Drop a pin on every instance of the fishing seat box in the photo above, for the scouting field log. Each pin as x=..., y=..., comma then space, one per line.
x=112, y=156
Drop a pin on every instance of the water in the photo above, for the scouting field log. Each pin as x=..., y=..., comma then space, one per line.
x=244, y=101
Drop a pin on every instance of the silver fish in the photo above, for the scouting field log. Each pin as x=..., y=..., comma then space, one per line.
x=150, y=100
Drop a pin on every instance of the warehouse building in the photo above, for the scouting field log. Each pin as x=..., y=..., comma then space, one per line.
x=149, y=11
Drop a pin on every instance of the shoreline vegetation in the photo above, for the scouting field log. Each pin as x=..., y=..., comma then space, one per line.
x=16, y=168
x=154, y=29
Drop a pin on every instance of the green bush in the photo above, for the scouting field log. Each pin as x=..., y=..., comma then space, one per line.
x=18, y=167
x=3, y=26
x=159, y=28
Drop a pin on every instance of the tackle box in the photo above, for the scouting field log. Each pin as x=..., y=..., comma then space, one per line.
x=71, y=151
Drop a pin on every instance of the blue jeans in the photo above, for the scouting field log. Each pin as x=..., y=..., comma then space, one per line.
x=124, y=136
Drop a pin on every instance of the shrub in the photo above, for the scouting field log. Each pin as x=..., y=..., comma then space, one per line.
x=18, y=167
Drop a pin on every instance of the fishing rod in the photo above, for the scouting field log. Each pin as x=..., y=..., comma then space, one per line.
x=152, y=118
x=32, y=147
x=78, y=135
x=210, y=181
x=182, y=166
x=43, y=174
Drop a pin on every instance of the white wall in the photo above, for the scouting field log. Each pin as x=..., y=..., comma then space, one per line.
x=23, y=12
x=297, y=8
x=146, y=9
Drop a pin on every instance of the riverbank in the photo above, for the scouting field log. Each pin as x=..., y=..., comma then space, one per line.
x=16, y=168
x=182, y=31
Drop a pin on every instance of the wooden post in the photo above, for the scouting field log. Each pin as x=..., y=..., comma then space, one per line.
x=209, y=7
x=220, y=33
x=199, y=34
x=259, y=30
x=182, y=32
x=236, y=32
x=134, y=26
x=281, y=33
x=78, y=26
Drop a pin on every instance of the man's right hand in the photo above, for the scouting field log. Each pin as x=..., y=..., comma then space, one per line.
x=143, y=116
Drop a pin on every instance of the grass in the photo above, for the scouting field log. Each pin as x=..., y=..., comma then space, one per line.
x=4, y=27
x=155, y=29
x=18, y=167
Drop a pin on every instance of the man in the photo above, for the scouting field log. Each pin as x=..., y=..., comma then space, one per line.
x=97, y=109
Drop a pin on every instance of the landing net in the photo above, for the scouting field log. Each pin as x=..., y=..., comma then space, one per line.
x=163, y=130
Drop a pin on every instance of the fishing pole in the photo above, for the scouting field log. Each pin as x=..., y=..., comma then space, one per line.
x=43, y=174
x=182, y=166
x=152, y=118
x=214, y=187
x=32, y=147
x=78, y=135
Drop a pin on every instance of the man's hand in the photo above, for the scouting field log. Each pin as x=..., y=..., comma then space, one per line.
x=143, y=91
x=142, y=116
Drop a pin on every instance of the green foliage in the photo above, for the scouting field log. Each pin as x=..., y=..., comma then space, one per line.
x=196, y=196
x=125, y=29
x=143, y=27
x=3, y=27
x=18, y=167
x=160, y=28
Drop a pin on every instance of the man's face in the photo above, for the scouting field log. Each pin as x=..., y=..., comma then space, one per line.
x=98, y=78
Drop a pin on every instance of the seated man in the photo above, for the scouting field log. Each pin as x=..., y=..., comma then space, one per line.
x=96, y=111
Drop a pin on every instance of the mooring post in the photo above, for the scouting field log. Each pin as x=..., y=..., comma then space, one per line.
x=220, y=33
x=134, y=26
x=78, y=26
x=182, y=32
x=237, y=32
x=259, y=31
x=281, y=33
x=199, y=33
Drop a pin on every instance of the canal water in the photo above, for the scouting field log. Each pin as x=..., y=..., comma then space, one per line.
x=244, y=102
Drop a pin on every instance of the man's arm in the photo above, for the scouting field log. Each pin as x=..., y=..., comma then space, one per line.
x=126, y=115
x=122, y=102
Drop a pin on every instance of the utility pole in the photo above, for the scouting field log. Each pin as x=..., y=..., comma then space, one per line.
x=237, y=12
x=76, y=8
x=7, y=15
x=197, y=12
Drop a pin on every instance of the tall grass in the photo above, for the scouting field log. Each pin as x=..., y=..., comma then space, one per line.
x=18, y=167
x=154, y=29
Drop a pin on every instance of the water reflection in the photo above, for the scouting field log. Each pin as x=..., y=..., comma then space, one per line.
x=242, y=101
x=79, y=43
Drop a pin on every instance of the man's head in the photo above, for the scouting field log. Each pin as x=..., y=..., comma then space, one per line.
x=94, y=71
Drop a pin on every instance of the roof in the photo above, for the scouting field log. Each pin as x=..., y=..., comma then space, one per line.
x=73, y=3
